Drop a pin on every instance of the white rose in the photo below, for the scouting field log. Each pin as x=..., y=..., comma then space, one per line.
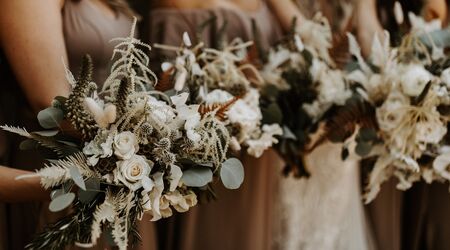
x=257, y=147
x=125, y=145
x=217, y=96
x=445, y=77
x=134, y=172
x=441, y=164
x=390, y=114
x=242, y=113
x=428, y=132
x=414, y=79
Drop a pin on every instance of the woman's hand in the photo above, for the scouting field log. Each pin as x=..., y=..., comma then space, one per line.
x=23, y=190
x=286, y=11
x=436, y=9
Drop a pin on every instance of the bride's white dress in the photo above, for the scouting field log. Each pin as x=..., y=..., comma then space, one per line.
x=324, y=211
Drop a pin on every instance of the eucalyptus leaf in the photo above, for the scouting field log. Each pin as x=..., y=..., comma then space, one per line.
x=232, y=173
x=68, y=143
x=61, y=202
x=288, y=134
x=48, y=133
x=56, y=193
x=197, y=177
x=92, y=189
x=272, y=114
x=367, y=134
x=363, y=148
x=440, y=38
x=50, y=117
x=76, y=177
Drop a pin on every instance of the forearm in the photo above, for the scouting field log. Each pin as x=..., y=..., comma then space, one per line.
x=31, y=36
x=368, y=25
x=28, y=189
x=286, y=11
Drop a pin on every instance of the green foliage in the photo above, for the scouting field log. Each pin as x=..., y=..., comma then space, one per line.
x=50, y=117
x=197, y=177
x=232, y=173
x=61, y=202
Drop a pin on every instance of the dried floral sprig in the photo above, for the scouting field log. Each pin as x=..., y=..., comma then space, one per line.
x=141, y=151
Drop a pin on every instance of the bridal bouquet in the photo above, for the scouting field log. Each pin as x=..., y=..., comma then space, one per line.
x=405, y=133
x=136, y=151
x=302, y=87
x=221, y=82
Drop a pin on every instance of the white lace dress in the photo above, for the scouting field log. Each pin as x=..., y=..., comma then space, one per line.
x=325, y=211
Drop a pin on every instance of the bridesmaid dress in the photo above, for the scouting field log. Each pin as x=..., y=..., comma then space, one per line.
x=87, y=30
x=240, y=219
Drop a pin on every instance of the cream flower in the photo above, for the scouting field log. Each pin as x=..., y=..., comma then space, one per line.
x=257, y=147
x=103, y=115
x=134, y=172
x=441, y=164
x=189, y=115
x=445, y=77
x=390, y=114
x=217, y=96
x=414, y=79
x=125, y=145
x=160, y=110
x=180, y=202
x=175, y=176
x=430, y=133
x=100, y=147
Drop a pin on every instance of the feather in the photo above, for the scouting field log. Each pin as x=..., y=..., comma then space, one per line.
x=355, y=50
x=16, y=130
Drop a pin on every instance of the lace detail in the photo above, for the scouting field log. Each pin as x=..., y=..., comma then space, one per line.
x=324, y=211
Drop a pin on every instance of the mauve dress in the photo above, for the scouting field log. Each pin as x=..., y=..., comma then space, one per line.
x=87, y=30
x=239, y=219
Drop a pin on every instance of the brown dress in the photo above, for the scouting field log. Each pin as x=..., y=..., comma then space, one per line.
x=86, y=30
x=239, y=219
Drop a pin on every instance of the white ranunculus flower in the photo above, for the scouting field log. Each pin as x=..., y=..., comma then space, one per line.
x=217, y=96
x=333, y=88
x=181, y=202
x=257, y=147
x=175, y=177
x=160, y=110
x=133, y=172
x=445, y=77
x=390, y=114
x=430, y=133
x=189, y=115
x=313, y=109
x=414, y=79
x=441, y=164
x=242, y=113
x=125, y=145
x=316, y=34
x=100, y=147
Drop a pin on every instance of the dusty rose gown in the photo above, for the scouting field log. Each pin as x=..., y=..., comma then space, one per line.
x=239, y=219
x=86, y=30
